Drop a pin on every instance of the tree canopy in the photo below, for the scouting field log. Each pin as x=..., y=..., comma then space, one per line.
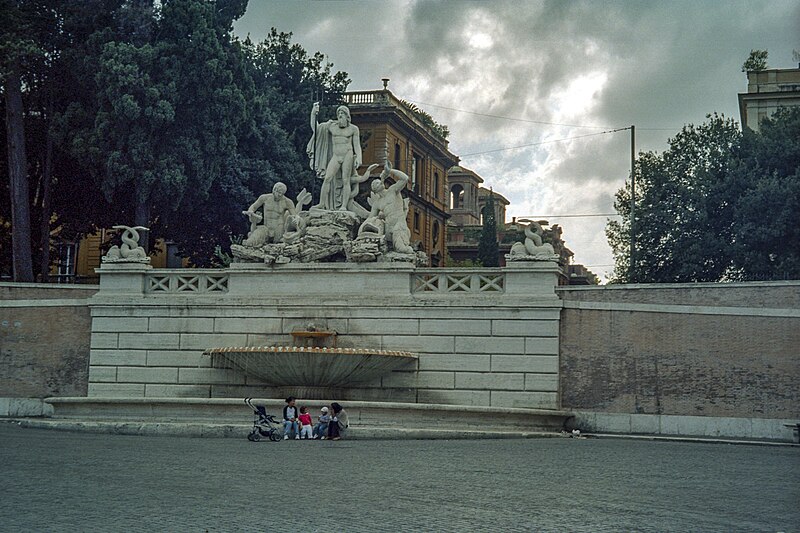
x=756, y=61
x=157, y=115
x=488, y=248
x=716, y=205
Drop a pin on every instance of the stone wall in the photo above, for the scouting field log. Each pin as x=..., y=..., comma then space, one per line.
x=483, y=338
x=720, y=350
x=44, y=339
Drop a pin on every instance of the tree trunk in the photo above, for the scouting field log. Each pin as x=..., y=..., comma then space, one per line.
x=142, y=218
x=46, y=185
x=18, y=174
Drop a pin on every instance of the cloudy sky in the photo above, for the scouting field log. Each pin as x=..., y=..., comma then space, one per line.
x=502, y=74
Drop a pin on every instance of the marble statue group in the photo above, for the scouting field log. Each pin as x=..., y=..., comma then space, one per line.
x=338, y=227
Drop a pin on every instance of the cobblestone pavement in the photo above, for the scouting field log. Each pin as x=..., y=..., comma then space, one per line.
x=57, y=481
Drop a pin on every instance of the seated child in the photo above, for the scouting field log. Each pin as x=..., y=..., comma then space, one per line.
x=321, y=429
x=305, y=421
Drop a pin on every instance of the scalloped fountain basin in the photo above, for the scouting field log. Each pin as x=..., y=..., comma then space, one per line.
x=313, y=366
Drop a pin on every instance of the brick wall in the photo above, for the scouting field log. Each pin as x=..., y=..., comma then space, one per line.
x=44, y=340
x=700, y=349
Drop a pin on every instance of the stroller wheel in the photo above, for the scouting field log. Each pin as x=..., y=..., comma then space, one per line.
x=253, y=436
x=274, y=436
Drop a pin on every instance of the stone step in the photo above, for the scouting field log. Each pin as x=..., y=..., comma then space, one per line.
x=362, y=415
x=212, y=430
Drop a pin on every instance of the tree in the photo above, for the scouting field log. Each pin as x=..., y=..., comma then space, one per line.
x=488, y=249
x=756, y=62
x=766, y=180
x=684, y=216
x=717, y=205
x=19, y=49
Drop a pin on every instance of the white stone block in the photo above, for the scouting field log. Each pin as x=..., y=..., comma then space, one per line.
x=102, y=374
x=177, y=391
x=204, y=341
x=490, y=345
x=489, y=381
x=645, y=424
x=466, y=363
x=421, y=380
x=24, y=407
x=525, y=328
x=612, y=423
x=118, y=357
x=181, y=325
x=418, y=343
x=541, y=364
x=398, y=326
x=116, y=390
x=528, y=400
x=541, y=345
x=104, y=340
x=149, y=341
x=541, y=382
x=361, y=341
x=147, y=374
x=338, y=325
x=455, y=327
x=248, y=325
x=454, y=397
x=119, y=324
x=210, y=376
x=190, y=358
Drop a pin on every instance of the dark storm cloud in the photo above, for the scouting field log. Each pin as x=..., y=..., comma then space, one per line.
x=609, y=64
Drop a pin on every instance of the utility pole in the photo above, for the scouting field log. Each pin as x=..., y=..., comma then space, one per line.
x=632, y=266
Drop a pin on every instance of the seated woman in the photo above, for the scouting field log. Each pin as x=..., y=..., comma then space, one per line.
x=338, y=425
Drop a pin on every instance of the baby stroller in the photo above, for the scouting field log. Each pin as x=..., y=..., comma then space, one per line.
x=264, y=425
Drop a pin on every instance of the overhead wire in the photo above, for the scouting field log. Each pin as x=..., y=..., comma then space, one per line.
x=518, y=119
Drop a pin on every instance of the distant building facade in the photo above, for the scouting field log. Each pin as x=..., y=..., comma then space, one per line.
x=467, y=199
x=389, y=129
x=767, y=91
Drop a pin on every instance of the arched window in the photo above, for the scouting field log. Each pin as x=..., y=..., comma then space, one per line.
x=435, y=233
x=456, y=196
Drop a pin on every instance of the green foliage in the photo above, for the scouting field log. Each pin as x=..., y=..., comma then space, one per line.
x=168, y=120
x=715, y=205
x=756, y=61
x=488, y=248
x=766, y=179
x=439, y=129
x=466, y=263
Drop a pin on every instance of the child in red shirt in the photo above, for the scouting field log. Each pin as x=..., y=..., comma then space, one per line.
x=305, y=421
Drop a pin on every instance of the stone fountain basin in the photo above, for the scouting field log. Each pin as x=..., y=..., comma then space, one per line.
x=312, y=366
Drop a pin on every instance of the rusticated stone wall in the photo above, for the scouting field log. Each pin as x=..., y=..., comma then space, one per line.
x=45, y=331
x=723, y=350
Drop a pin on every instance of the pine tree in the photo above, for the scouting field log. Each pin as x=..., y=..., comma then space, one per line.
x=488, y=249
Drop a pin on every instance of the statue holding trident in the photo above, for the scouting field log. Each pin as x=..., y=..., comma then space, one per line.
x=334, y=152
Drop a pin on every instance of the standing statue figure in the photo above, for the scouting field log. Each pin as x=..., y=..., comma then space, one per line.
x=389, y=210
x=335, y=154
x=278, y=209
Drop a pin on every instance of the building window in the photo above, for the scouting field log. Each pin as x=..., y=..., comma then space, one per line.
x=67, y=254
x=417, y=173
x=416, y=221
x=435, y=185
x=456, y=196
x=435, y=233
x=397, y=156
